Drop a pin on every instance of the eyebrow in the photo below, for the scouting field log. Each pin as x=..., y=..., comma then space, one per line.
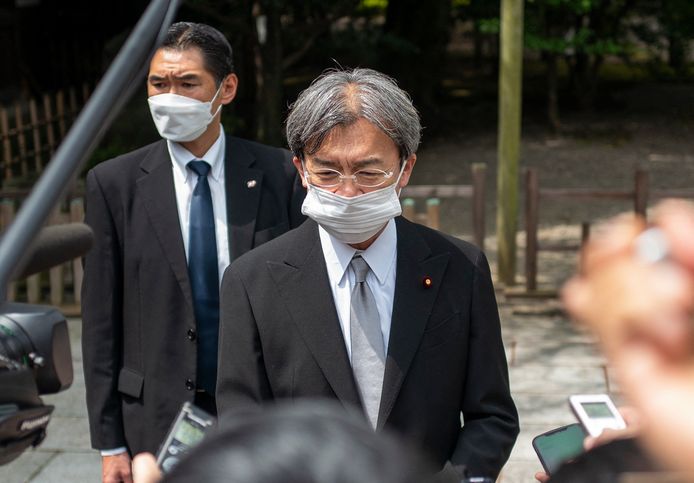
x=185, y=77
x=362, y=163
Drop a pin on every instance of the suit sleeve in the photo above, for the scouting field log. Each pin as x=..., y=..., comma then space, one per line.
x=490, y=417
x=102, y=321
x=241, y=377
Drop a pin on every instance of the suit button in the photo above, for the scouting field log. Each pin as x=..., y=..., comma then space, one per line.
x=190, y=385
x=191, y=334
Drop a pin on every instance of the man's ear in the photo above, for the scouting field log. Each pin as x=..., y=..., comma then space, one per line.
x=300, y=169
x=407, y=172
x=228, y=90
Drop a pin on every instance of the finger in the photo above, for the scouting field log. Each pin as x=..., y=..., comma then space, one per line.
x=611, y=240
x=145, y=469
x=631, y=416
x=676, y=219
x=541, y=476
x=589, y=443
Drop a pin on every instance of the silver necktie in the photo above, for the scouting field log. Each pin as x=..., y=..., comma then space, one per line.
x=368, y=353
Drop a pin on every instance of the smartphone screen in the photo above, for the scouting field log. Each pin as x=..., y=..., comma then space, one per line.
x=559, y=445
x=597, y=410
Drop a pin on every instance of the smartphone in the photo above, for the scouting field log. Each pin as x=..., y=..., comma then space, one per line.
x=558, y=446
x=596, y=412
x=187, y=430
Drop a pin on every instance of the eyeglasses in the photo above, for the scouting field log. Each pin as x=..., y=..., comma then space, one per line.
x=365, y=178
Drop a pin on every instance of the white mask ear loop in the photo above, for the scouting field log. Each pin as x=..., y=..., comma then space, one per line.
x=306, y=175
x=402, y=170
x=219, y=89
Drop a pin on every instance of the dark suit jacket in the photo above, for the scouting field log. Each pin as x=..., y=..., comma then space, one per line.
x=138, y=334
x=280, y=338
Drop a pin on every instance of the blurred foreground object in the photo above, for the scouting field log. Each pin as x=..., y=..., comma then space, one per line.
x=641, y=312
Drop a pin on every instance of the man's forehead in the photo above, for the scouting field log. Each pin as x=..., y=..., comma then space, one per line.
x=177, y=62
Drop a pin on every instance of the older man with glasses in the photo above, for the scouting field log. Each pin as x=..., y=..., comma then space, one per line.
x=360, y=305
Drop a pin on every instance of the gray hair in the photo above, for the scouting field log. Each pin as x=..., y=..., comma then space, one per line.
x=341, y=98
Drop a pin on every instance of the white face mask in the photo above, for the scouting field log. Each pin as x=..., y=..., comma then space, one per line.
x=353, y=219
x=180, y=118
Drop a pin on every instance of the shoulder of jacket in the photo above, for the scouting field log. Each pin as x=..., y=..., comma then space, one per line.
x=127, y=160
x=443, y=242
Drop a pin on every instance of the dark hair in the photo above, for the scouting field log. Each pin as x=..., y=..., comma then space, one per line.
x=300, y=443
x=215, y=48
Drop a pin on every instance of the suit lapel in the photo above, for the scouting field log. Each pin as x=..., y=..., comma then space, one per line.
x=412, y=305
x=303, y=284
x=243, y=187
x=158, y=192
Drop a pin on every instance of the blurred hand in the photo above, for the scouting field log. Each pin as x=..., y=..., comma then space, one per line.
x=145, y=469
x=642, y=314
x=624, y=299
x=541, y=476
x=631, y=416
x=116, y=469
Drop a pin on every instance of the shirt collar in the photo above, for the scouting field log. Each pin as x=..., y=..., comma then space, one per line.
x=214, y=156
x=380, y=255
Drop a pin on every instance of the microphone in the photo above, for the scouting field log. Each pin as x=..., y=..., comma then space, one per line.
x=55, y=245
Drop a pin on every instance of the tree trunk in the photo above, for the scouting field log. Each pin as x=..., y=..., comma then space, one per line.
x=422, y=31
x=552, y=92
x=270, y=77
x=245, y=44
x=677, y=53
x=583, y=71
x=510, y=108
x=478, y=44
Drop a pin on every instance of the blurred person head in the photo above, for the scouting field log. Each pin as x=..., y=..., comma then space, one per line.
x=300, y=443
x=191, y=76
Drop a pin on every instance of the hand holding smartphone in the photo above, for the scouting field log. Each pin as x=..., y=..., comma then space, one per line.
x=558, y=446
x=187, y=430
x=596, y=412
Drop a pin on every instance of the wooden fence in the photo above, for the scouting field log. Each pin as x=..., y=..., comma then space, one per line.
x=639, y=196
x=61, y=285
x=30, y=132
x=433, y=194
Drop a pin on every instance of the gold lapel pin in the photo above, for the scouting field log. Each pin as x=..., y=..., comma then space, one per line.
x=251, y=183
x=427, y=282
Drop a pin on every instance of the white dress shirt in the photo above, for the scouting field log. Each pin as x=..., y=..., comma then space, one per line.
x=381, y=257
x=184, y=183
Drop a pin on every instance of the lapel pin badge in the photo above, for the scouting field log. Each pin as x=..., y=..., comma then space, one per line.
x=251, y=183
x=427, y=282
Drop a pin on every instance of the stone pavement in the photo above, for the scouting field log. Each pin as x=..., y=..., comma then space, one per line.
x=549, y=360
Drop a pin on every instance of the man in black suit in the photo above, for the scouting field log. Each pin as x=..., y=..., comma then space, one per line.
x=361, y=305
x=167, y=219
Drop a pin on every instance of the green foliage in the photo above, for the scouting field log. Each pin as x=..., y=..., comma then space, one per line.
x=578, y=27
x=373, y=4
x=491, y=26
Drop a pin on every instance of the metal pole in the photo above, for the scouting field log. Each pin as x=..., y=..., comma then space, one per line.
x=113, y=91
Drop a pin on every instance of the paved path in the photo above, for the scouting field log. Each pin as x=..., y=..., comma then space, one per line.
x=549, y=360
x=65, y=455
